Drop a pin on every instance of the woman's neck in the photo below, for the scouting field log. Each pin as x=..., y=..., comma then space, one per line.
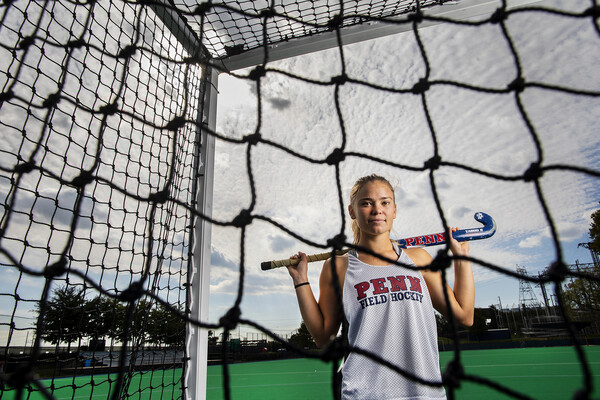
x=380, y=245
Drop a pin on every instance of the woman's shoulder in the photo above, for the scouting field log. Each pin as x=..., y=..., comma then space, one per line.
x=419, y=256
x=341, y=266
x=340, y=261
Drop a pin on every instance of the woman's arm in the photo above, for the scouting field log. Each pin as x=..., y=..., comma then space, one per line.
x=322, y=318
x=462, y=297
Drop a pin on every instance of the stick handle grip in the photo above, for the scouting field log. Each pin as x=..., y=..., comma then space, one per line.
x=267, y=265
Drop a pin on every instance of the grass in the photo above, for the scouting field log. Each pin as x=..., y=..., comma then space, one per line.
x=540, y=373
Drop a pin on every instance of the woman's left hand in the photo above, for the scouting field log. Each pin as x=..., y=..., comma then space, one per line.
x=458, y=248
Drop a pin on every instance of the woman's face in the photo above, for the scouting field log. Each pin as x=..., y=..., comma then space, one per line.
x=374, y=208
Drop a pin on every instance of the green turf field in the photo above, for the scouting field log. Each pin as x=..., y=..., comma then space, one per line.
x=541, y=373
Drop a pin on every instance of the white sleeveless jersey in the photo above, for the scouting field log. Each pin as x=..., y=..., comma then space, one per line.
x=390, y=314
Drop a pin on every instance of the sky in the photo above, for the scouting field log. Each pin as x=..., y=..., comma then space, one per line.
x=127, y=152
x=484, y=131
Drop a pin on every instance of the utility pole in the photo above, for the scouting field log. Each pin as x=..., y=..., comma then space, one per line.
x=501, y=313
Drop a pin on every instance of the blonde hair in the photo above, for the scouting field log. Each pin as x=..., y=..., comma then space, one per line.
x=354, y=192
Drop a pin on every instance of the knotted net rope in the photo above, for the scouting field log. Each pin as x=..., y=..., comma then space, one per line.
x=99, y=165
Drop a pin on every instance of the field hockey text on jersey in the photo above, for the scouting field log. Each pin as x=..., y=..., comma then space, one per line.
x=392, y=288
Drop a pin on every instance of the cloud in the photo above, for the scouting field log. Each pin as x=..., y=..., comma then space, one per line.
x=567, y=232
x=459, y=212
x=480, y=130
x=280, y=243
x=224, y=273
x=531, y=242
x=218, y=259
x=279, y=103
x=570, y=231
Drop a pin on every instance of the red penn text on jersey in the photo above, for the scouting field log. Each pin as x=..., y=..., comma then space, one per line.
x=389, y=284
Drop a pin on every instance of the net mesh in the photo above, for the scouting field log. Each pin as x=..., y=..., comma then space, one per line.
x=98, y=169
x=230, y=28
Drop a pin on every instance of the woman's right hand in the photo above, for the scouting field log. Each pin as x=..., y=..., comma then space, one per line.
x=299, y=272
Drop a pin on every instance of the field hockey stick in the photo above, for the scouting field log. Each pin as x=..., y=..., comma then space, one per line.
x=487, y=230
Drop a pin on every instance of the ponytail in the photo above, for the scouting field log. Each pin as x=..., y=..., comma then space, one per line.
x=355, y=231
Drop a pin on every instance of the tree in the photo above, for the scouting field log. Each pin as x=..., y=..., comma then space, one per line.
x=583, y=294
x=480, y=325
x=595, y=232
x=138, y=323
x=105, y=317
x=302, y=338
x=64, y=318
x=166, y=327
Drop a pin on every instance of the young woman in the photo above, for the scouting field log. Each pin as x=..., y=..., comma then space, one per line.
x=389, y=308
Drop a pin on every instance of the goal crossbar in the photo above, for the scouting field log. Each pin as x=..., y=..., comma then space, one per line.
x=295, y=45
x=459, y=10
